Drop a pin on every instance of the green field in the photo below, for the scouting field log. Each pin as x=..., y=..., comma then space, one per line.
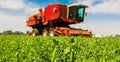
x=15, y=48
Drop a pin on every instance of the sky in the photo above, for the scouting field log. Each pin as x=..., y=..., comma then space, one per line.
x=103, y=16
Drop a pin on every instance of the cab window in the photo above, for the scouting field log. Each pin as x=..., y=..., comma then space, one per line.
x=80, y=12
x=76, y=12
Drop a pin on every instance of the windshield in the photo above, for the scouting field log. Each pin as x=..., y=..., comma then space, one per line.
x=76, y=13
x=80, y=12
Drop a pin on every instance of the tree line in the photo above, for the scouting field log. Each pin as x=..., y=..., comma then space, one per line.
x=10, y=32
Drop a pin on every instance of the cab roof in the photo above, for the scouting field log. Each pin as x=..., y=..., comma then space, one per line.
x=78, y=5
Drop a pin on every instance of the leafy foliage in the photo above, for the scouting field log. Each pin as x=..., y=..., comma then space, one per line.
x=59, y=49
x=9, y=32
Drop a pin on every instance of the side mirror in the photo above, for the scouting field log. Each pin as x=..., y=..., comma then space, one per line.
x=85, y=13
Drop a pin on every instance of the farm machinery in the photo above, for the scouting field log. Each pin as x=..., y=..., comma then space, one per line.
x=55, y=19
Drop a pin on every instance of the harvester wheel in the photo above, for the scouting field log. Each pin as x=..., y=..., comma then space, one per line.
x=35, y=32
x=45, y=32
x=51, y=32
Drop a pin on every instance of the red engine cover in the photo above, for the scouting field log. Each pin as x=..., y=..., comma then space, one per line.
x=56, y=11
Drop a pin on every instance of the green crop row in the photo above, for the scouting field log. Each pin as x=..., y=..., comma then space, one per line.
x=15, y=48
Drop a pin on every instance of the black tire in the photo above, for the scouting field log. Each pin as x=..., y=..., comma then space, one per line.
x=45, y=32
x=51, y=32
x=35, y=32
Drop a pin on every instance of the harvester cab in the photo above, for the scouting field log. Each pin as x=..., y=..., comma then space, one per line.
x=76, y=12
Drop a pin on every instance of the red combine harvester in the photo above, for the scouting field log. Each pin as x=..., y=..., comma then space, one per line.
x=55, y=20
